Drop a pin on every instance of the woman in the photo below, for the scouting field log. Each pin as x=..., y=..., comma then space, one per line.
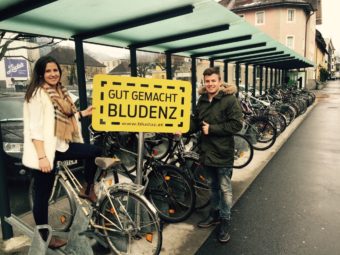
x=51, y=134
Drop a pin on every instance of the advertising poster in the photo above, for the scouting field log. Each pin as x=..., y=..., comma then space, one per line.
x=16, y=68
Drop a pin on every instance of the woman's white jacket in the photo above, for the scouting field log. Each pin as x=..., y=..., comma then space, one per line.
x=30, y=157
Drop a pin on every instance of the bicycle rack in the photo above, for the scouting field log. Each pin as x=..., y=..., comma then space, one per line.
x=38, y=246
x=78, y=243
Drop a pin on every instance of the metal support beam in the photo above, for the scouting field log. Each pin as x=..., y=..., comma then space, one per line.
x=266, y=80
x=257, y=56
x=246, y=80
x=193, y=82
x=271, y=78
x=237, y=75
x=225, y=69
x=140, y=149
x=254, y=80
x=181, y=36
x=80, y=62
x=210, y=44
x=168, y=64
x=133, y=62
x=211, y=62
x=22, y=7
x=275, y=76
x=244, y=47
x=252, y=52
x=155, y=17
x=261, y=79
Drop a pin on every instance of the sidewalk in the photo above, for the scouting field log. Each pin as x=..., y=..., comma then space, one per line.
x=185, y=238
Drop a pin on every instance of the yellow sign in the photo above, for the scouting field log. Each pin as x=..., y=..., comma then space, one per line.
x=135, y=104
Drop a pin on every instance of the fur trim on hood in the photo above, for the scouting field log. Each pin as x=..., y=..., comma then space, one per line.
x=228, y=89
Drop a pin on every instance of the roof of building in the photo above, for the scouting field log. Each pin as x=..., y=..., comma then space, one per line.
x=67, y=56
x=246, y=5
x=320, y=41
x=122, y=68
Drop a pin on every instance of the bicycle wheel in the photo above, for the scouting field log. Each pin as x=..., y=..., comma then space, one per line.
x=171, y=192
x=61, y=205
x=130, y=225
x=244, y=151
x=201, y=183
x=265, y=133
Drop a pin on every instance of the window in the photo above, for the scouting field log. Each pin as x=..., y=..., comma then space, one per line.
x=290, y=41
x=291, y=15
x=259, y=16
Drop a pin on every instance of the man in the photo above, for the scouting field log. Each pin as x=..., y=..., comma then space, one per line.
x=218, y=115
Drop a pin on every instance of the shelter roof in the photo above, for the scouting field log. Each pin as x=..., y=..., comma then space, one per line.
x=192, y=28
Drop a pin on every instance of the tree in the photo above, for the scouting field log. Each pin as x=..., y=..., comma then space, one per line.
x=7, y=38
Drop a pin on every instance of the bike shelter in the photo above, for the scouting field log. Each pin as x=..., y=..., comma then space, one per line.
x=198, y=29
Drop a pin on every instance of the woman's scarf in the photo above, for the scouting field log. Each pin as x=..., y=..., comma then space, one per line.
x=66, y=126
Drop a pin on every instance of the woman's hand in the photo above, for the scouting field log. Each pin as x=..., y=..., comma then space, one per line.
x=44, y=165
x=87, y=111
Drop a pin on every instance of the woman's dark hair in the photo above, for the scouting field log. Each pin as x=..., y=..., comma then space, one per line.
x=37, y=78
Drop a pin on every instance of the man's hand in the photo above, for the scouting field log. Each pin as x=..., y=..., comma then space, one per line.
x=205, y=128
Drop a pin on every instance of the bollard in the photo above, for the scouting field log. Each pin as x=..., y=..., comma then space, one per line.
x=77, y=243
x=40, y=246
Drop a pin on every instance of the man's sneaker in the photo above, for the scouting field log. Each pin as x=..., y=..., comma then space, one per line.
x=212, y=219
x=223, y=233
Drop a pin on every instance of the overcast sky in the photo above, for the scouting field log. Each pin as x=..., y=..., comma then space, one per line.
x=331, y=22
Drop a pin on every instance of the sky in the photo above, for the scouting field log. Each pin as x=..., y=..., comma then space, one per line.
x=331, y=22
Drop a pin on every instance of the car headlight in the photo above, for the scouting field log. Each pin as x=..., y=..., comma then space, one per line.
x=13, y=147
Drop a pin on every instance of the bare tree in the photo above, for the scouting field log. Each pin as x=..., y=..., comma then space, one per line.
x=6, y=39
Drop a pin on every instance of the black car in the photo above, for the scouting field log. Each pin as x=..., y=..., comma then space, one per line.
x=11, y=123
x=11, y=107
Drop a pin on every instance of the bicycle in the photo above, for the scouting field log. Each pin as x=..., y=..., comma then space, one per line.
x=166, y=186
x=122, y=216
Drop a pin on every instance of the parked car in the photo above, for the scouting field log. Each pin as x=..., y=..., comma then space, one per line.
x=11, y=124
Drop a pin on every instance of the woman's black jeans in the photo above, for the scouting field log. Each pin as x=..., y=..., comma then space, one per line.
x=43, y=182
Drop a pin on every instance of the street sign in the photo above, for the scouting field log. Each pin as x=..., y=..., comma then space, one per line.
x=135, y=104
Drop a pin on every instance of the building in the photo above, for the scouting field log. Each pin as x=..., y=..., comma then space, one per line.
x=321, y=56
x=331, y=57
x=292, y=23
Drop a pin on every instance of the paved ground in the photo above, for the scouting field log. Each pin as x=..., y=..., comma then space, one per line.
x=185, y=238
x=293, y=205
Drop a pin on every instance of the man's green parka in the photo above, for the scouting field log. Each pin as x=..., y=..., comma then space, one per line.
x=224, y=116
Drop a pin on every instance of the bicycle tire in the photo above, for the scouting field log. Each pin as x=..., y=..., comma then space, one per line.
x=265, y=133
x=130, y=225
x=244, y=151
x=61, y=205
x=201, y=187
x=171, y=192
